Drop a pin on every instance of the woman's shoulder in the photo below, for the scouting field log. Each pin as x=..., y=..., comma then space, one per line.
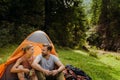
x=32, y=58
x=20, y=60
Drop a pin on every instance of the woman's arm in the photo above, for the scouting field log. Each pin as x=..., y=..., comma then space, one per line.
x=16, y=68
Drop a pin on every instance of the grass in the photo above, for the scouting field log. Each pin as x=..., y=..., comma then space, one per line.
x=105, y=67
x=5, y=52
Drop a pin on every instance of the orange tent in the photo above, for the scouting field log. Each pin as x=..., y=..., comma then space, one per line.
x=36, y=38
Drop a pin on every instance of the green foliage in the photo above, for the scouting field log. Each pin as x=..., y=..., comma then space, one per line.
x=94, y=54
x=118, y=57
x=22, y=31
x=106, y=15
x=93, y=38
x=110, y=12
x=22, y=17
x=9, y=33
x=69, y=17
x=6, y=36
x=96, y=6
x=6, y=51
x=19, y=18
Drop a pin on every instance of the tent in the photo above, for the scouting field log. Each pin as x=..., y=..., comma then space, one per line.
x=36, y=38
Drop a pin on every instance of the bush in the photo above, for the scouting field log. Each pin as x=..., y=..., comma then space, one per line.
x=22, y=32
x=94, y=54
x=11, y=33
x=118, y=57
x=6, y=35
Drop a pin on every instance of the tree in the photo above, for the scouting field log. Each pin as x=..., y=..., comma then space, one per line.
x=66, y=22
x=62, y=20
x=108, y=23
x=20, y=17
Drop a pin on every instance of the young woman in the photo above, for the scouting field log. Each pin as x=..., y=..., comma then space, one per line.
x=23, y=65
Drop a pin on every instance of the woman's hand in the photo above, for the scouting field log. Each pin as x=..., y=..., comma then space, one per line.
x=25, y=70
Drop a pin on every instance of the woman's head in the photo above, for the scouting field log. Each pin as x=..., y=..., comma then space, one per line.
x=28, y=49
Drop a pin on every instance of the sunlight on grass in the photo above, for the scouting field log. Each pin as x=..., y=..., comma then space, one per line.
x=111, y=61
x=97, y=68
x=81, y=52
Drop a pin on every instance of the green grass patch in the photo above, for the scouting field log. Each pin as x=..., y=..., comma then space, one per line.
x=106, y=67
x=6, y=52
x=97, y=68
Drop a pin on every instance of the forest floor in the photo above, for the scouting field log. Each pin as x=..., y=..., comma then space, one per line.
x=98, y=64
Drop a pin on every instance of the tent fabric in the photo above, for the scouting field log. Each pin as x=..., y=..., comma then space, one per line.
x=36, y=38
x=8, y=75
x=39, y=37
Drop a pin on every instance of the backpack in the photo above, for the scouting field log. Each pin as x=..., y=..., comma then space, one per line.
x=73, y=73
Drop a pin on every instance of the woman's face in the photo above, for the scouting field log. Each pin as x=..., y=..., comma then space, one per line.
x=30, y=51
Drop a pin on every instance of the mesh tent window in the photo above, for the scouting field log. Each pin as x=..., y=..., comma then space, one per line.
x=39, y=37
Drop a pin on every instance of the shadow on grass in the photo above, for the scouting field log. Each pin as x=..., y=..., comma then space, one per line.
x=92, y=66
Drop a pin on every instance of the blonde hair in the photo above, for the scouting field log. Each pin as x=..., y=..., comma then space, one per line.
x=27, y=47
